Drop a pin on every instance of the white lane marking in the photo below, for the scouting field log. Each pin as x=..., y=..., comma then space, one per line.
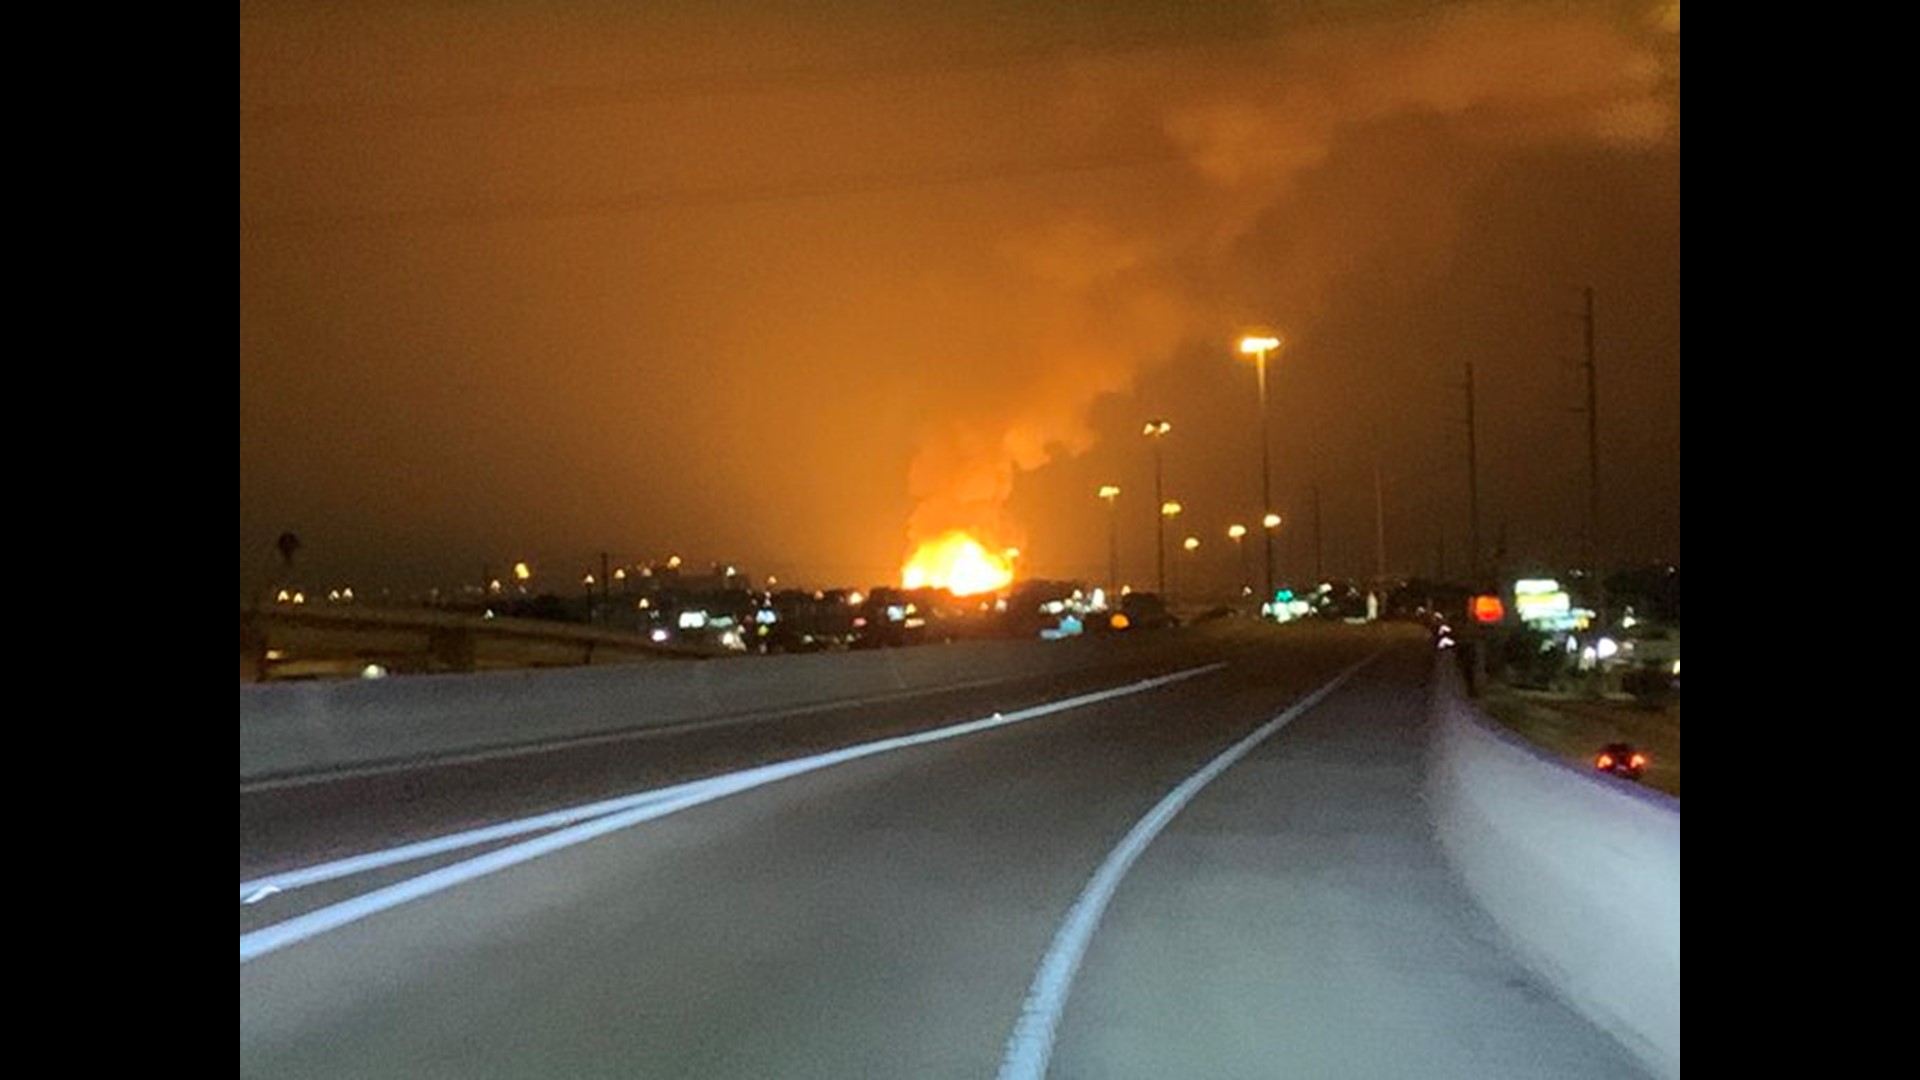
x=1030, y=1047
x=374, y=860
x=663, y=802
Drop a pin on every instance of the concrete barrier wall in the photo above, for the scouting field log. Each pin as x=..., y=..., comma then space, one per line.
x=299, y=727
x=1580, y=870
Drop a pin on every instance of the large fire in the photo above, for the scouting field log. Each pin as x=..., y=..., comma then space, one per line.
x=957, y=563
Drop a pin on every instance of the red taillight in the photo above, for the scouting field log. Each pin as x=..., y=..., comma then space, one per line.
x=1605, y=761
x=1638, y=761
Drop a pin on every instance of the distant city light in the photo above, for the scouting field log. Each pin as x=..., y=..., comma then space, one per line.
x=522, y=572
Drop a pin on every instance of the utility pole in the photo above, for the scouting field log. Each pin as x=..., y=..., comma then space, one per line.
x=1473, y=485
x=1593, y=468
x=1319, y=572
x=606, y=580
x=1379, y=527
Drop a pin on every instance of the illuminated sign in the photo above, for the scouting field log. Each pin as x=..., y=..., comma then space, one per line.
x=1540, y=600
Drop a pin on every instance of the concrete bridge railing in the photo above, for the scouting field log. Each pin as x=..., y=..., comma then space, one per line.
x=1580, y=870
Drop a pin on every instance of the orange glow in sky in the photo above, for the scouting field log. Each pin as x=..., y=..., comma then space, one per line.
x=958, y=563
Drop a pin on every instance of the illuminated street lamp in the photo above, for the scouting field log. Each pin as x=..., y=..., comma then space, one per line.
x=1238, y=534
x=1168, y=510
x=1258, y=346
x=1191, y=544
x=1269, y=524
x=1157, y=430
x=1111, y=492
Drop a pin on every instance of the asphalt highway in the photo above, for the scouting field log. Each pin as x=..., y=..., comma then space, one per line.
x=1209, y=859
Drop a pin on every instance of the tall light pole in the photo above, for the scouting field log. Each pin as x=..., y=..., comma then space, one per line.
x=1191, y=544
x=1168, y=510
x=1267, y=525
x=1258, y=346
x=1157, y=430
x=1110, y=492
x=1238, y=534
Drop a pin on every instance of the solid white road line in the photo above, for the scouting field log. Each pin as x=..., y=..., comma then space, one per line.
x=1031, y=1045
x=650, y=805
x=374, y=860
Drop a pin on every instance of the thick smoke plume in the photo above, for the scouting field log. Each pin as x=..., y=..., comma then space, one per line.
x=1105, y=290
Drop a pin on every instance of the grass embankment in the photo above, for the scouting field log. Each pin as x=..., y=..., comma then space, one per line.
x=1574, y=727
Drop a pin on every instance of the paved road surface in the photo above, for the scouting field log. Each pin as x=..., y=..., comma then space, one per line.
x=886, y=916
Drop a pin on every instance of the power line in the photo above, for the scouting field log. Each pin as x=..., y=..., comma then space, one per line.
x=638, y=204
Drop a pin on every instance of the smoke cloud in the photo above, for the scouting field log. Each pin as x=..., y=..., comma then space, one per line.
x=795, y=290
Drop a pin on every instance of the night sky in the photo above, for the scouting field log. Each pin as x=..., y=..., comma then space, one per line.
x=793, y=285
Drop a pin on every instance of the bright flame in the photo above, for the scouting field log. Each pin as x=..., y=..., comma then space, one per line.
x=958, y=563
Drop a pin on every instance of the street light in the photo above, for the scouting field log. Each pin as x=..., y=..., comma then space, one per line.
x=1157, y=430
x=1110, y=492
x=1269, y=524
x=1238, y=533
x=1168, y=511
x=1258, y=345
x=1191, y=544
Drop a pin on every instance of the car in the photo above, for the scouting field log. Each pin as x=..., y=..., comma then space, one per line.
x=1620, y=759
x=1142, y=611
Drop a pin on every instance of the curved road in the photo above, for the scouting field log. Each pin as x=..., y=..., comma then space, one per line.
x=912, y=912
